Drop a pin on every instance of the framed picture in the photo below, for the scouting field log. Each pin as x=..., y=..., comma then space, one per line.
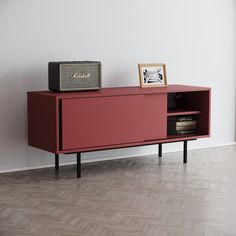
x=152, y=75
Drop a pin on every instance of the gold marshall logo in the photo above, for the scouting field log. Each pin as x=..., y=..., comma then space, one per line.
x=80, y=76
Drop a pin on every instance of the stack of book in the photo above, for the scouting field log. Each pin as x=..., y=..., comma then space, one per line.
x=182, y=125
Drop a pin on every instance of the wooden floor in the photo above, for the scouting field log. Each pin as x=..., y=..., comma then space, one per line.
x=129, y=197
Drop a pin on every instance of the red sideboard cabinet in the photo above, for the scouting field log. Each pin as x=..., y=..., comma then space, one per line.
x=76, y=122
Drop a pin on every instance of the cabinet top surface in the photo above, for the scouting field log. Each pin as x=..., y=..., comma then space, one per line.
x=115, y=91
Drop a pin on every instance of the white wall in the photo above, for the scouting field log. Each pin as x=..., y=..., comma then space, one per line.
x=196, y=39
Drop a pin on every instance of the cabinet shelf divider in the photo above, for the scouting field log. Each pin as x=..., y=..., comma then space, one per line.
x=182, y=112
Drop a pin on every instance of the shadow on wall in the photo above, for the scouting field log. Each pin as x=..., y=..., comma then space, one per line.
x=14, y=103
x=14, y=85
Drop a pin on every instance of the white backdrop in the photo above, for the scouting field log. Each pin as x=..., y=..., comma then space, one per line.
x=196, y=39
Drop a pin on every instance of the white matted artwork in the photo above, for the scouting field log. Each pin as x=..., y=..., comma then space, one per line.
x=152, y=75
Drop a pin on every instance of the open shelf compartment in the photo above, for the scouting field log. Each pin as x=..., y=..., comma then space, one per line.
x=190, y=104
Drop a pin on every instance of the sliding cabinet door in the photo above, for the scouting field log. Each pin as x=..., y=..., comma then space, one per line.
x=102, y=121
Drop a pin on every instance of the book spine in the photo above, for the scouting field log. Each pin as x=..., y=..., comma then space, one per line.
x=189, y=127
x=182, y=123
x=181, y=118
x=182, y=132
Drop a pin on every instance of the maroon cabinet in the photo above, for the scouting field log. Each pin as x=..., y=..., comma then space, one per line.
x=111, y=118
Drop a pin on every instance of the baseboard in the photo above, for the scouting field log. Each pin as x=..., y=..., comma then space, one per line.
x=66, y=163
x=104, y=159
x=204, y=147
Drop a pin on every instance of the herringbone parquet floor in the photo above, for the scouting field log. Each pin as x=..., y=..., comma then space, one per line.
x=129, y=197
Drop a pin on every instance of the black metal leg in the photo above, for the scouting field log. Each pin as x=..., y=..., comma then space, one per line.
x=78, y=165
x=185, y=151
x=160, y=149
x=56, y=162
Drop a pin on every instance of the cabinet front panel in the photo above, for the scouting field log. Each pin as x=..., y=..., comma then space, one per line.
x=91, y=122
x=154, y=124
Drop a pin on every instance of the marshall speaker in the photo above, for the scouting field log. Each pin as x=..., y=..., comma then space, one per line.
x=74, y=75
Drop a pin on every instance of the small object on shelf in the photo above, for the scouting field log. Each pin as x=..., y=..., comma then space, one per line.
x=180, y=100
x=181, y=125
x=74, y=76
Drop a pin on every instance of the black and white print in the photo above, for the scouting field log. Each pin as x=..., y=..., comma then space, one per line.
x=153, y=75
